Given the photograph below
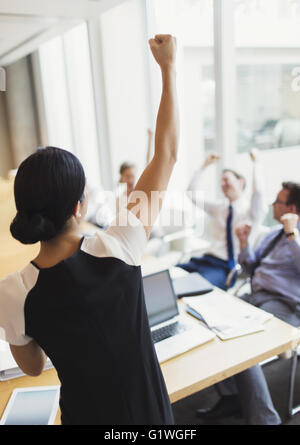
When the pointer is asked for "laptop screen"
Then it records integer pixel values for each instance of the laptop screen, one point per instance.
(160, 297)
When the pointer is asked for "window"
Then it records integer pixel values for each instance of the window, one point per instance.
(268, 112)
(192, 23)
(68, 97)
(268, 108)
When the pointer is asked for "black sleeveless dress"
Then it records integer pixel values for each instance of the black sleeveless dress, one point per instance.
(89, 316)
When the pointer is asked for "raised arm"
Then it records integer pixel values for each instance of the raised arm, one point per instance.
(146, 199)
(149, 145)
(290, 223)
(209, 206)
(258, 205)
(247, 258)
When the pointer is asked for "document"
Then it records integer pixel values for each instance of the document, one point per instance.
(227, 316)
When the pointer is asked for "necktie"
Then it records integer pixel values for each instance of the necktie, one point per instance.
(231, 261)
(268, 249)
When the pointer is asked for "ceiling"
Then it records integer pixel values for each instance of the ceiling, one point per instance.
(20, 31)
(25, 25)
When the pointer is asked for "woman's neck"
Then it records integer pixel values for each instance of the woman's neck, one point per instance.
(59, 248)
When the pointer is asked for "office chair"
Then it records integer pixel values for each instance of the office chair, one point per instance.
(292, 410)
(291, 355)
(233, 274)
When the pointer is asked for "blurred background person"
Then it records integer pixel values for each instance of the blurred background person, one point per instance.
(220, 259)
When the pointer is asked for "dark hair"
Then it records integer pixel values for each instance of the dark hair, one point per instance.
(125, 166)
(48, 185)
(294, 194)
(237, 175)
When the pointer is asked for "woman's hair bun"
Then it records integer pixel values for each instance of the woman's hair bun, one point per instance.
(29, 229)
(48, 185)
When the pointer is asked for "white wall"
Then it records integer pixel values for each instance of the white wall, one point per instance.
(124, 55)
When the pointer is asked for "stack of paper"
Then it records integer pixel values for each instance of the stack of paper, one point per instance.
(227, 316)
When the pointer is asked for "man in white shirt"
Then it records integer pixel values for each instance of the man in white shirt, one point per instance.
(226, 214)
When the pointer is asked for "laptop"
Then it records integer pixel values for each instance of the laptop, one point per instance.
(172, 333)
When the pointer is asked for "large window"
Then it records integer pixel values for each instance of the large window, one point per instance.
(69, 97)
(268, 111)
(238, 77)
(268, 107)
(133, 83)
(192, 24)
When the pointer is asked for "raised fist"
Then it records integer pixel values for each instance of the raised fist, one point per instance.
(150, 133)
(163, 48)
(211, 159)
(289, 221)
(254, 154)
(242, 232)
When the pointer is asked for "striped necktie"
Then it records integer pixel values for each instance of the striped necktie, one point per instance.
(231, 261)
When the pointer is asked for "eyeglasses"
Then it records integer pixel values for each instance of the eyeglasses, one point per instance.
(277, 201)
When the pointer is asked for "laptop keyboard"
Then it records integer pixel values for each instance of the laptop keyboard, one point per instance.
(169, 331)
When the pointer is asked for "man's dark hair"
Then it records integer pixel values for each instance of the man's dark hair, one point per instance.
(294, 194)
(236, 174)
(125, 166)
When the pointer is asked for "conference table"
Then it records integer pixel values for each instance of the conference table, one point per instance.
(187, 373)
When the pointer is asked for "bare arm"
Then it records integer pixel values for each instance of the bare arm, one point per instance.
(30, 358)
(146, 200)
(149, 146)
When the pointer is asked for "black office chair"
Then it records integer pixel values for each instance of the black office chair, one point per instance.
(292, 410)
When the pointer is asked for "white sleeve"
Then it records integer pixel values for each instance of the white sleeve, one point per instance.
(258, 208)
(12, 298)
(130, 233)
(195, 191)
(125, 239)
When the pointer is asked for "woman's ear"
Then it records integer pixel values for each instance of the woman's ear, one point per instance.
(77, 209)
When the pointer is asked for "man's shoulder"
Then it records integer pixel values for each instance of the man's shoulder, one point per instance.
(273, 231)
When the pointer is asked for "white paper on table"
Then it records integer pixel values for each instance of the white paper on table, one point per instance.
(228, 316)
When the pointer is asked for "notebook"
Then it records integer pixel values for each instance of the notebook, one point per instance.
(172, 333)
(227, 316)
(191, 284)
